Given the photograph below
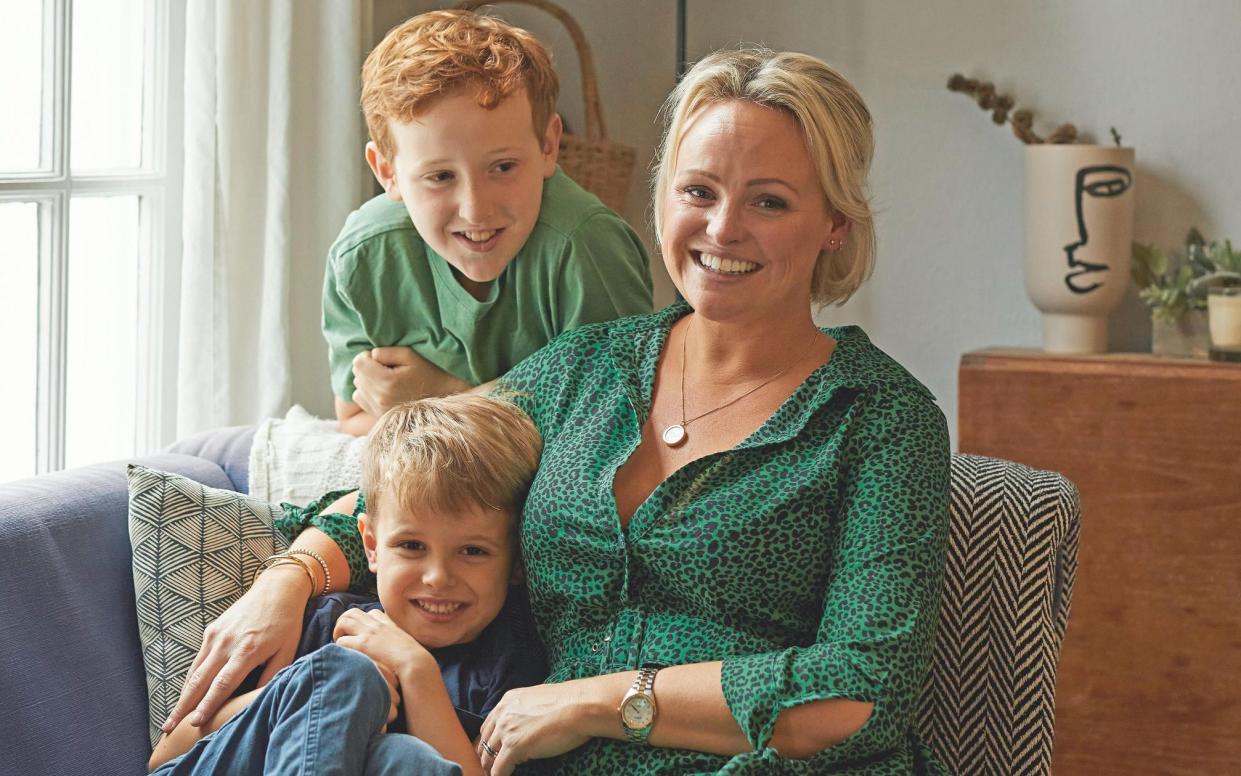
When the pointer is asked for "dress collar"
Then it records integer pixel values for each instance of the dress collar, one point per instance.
(635, 345)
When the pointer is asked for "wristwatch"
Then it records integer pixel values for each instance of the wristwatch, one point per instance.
(637, 708)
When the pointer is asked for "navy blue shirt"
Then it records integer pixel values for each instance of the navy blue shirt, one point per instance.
(506, 654)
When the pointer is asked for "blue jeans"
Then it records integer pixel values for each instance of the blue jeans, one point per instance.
(325, 714)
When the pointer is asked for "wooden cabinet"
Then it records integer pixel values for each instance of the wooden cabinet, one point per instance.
(1150, 675)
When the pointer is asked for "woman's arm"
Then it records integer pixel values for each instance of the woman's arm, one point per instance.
(692, 713)
(881, 602)
(185, 735)
(262, 628)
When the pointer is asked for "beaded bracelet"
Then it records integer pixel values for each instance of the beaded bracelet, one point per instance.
(327, 575)
(284, 558)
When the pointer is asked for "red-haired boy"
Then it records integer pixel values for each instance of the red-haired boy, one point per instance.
(480, 250)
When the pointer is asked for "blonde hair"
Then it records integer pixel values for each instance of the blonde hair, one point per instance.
(835, 124)
(437, 53)
(451, 454)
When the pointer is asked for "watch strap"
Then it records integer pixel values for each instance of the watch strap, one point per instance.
(643, 684)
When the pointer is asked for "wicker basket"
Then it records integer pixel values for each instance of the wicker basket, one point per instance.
(600, 166)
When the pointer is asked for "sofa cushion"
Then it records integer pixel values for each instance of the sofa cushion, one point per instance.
(195, 551)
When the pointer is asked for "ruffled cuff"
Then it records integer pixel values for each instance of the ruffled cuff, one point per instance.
(759, 687)
(340, 528)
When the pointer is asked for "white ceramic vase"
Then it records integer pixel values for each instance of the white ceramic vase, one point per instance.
(1079, 225)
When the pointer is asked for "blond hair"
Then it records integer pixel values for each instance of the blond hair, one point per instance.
(451, 454)
(835, 124)
(435, 54)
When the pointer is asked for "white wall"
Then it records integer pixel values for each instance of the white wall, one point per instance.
(947, 182)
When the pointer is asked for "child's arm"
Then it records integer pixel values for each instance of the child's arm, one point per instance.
(429, 713)
(353, 419)
(185, 735)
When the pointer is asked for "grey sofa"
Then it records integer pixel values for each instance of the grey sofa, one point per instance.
(72, 688)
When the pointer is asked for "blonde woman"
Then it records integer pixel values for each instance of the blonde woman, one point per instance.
(750, 509)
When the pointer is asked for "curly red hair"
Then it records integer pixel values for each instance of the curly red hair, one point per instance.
(435, 54)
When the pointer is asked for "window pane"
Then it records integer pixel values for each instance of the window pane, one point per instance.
(21, 84)
(19, 320)
(106, 115)
(101, 385)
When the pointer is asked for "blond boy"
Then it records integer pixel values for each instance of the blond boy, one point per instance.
(410, 678)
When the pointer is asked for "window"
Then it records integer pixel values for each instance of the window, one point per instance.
(89, 229)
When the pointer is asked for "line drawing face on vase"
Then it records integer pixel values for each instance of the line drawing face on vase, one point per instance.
(1102, 180)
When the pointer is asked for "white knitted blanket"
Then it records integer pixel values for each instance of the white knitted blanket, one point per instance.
(300, 457)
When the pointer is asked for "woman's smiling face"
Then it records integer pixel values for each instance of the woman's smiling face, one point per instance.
(744, 218)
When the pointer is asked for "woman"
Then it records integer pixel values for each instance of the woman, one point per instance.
(749, 509)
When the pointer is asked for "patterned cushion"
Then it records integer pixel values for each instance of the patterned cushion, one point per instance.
(988, 704)
(196, 550)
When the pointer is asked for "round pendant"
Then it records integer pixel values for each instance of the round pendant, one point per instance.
(674, 435)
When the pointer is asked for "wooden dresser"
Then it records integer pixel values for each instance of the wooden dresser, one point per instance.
(1150, 676)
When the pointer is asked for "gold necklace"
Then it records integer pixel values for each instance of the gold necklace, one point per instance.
(675, 435)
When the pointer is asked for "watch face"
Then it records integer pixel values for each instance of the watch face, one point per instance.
(638, 712)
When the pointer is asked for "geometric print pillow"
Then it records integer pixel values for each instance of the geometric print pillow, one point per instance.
(195, 552)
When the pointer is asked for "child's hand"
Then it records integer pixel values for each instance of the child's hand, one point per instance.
(375, 635)
(394, 690)
(385, 377)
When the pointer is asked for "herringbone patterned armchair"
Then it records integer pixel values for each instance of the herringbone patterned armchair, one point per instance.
(988, 704)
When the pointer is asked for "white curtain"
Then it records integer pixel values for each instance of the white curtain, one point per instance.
(273, 149)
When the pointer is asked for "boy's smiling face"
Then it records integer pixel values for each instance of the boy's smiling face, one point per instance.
(442, 578)
(471, 179)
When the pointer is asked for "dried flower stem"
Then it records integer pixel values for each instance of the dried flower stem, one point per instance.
(1000, 106)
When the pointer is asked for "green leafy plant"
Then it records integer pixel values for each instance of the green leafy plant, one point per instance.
(1172, 284)
(1225, 264)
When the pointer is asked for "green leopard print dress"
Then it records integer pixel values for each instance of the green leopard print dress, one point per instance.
(809, 558)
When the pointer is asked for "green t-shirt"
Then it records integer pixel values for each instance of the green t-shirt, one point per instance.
(384, 286)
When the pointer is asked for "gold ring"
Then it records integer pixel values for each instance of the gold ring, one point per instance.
(487, 748)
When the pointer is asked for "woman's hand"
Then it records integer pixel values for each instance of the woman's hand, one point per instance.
(262, 628)
(531, 723)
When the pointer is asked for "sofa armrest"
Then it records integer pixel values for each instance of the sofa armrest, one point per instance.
(71, 670)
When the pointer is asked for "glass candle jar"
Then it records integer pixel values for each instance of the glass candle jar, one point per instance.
(1224, 320)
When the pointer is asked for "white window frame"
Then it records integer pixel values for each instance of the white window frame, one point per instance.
(158, 185)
